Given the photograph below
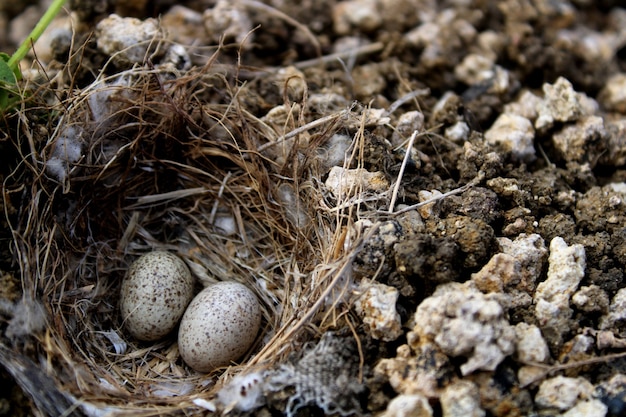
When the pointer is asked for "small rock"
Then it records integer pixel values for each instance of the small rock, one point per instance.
(562, 392)
(513, 134)
(462, 321)
(565, 271)
(591, 299)
(500, 269)
(291, 83)
(560, 104)
(525, 106)
(461, 399)
(126, 39)
(342, 182)
(530, 251)
(582, 142)
(617, 311)
(362, 15)
(230, 21)
(530, 346)
(417, 369)
(613, 95)
(408, 123)
(589, 408)
(458, 132)
(474, 69)
(184, 25)
(408, 405)
(376, 305)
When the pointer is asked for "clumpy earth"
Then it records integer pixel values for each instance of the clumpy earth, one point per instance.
(477, 147)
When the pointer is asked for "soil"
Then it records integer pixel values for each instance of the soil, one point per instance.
(520, 119)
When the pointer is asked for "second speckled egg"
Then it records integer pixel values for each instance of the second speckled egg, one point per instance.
(219, 326)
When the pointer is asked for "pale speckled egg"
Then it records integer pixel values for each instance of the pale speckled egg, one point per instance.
(154, 295)
(219, 326)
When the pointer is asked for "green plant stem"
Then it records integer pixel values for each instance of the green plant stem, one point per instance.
(43, 23)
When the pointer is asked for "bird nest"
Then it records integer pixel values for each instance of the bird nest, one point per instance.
(146, 160)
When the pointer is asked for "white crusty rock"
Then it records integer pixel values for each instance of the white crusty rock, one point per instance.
(530, 345)
(408, 405)
(589, 408)
(342, 182)
(376, 305)
(526, 105)
(461, 399)
(576, 142)
(513, 134)
(563, 392)
(362, 15)
(408, 123)
(126, 39)
(229, 20)
(552, 298)
(462, 321)
(617, 311)
(531, 252)
(560, 104)
(613, 95)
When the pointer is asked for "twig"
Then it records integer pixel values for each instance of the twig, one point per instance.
(459, 190)
(396, 187)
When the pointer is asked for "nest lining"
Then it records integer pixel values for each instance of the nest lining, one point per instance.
(173, 163)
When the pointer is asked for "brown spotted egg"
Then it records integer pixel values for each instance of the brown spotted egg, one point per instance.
(154, 295)
(219, 326)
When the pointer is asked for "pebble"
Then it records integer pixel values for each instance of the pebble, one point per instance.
(613, 95)
(552, 298)
(461, 399)
(526, 105)
(513, 134)
(530, 346)
(362, 15)
(342, 182)
(589, 408)
(184, 25)
(582, 142)
(501, 270)
(530, 251)
(617, 311)
(408, 123)
(474, 69)
(377, 307)
(591, 299)
(562, 392)
(126, 39)
(230, 21)
(560, 104)
(462, 321)
(408, 405)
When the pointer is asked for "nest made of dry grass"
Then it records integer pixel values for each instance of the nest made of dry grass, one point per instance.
(173, 162)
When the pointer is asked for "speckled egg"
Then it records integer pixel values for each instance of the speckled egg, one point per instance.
(155, 294)
(219, 326)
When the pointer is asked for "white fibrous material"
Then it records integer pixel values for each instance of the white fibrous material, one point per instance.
(106, 98)
(67, 150)
(377, 307)
(552, 298)
(462, 321)
(243, 392)
(325, 377)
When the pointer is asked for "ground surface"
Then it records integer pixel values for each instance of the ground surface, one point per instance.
(509, 289)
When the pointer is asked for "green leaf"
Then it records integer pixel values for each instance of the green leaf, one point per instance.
(7, 75)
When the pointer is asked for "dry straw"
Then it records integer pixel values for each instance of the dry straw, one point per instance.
(171, 162)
